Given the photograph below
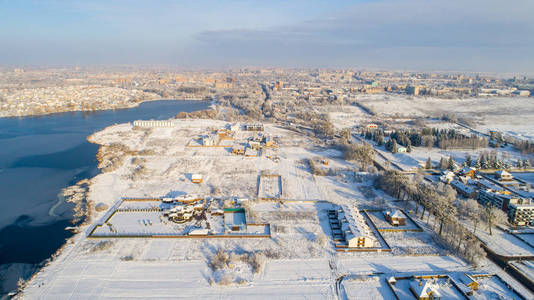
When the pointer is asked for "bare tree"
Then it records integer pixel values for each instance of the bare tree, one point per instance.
(494, 216)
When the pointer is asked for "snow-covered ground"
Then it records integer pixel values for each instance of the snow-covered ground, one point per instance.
(512, 115)
(299, 260)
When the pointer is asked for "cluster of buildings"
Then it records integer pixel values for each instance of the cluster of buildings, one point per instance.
(501, 190)
(184, 207)
(36, 101)
(44, 91)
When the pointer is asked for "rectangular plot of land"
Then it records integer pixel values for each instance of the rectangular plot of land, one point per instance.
(371, 287)
(406, 287)
(270, 187)
(382, 224)
(127, 223)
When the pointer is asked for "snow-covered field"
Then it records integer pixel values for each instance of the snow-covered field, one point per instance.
(368, 287)
(512, 115)
(298, 261)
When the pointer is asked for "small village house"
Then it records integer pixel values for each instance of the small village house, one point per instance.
(424, 289)
(254, 127)
(209, 140)
(467, 171)
(395, 217)
(471, 284)
(402, 149)
(502, 175)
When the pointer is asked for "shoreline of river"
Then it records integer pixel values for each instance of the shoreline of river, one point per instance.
(131, 105)
(84, 213)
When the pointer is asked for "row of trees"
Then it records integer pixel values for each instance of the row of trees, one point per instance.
(428, 137)
(486, 160)
(524, 146)
(490, 160)
(438, 204)
(444, 164)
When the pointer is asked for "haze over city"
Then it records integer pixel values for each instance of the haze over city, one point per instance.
(483, 36)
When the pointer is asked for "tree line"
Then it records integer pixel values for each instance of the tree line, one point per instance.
(439, 201)
(426, 137)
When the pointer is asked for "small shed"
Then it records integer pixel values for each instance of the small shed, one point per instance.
(238, 150)
(167, 200)
(470, 283)
(196, 178)
(268, 140)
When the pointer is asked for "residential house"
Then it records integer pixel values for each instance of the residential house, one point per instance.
(395, 217)
(254, 127)
(502, 175)
(424, 289)
(467, 171)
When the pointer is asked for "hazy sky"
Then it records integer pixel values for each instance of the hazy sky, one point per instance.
(471, 35)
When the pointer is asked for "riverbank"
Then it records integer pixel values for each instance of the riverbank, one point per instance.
(52, 155)
(84, 109)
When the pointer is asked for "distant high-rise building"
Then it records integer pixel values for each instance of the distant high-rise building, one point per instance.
(412, 90)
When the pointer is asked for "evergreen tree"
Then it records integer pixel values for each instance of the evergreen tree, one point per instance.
(484, 163)
(468, 160)
(478, 164)
(451, 164)
(388, 144)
